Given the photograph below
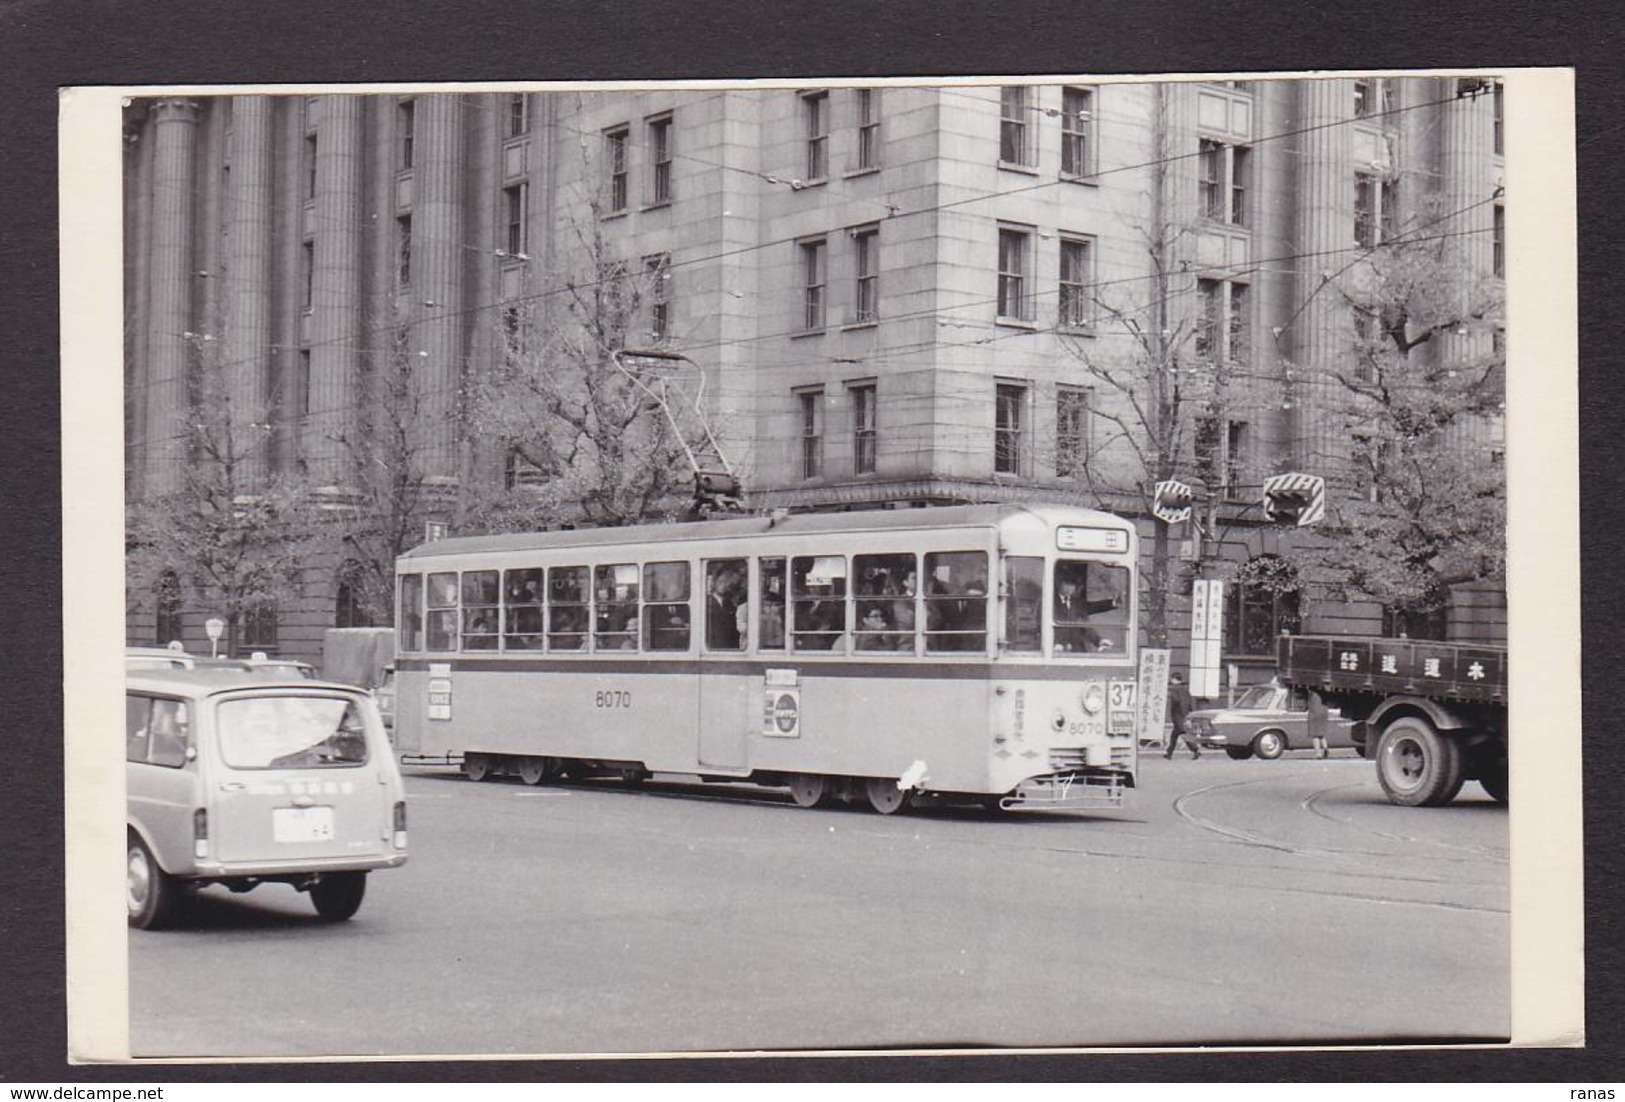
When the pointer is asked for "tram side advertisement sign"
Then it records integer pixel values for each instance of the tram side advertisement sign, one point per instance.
(781, 697)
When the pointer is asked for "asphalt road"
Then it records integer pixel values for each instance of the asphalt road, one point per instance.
(1228, 902)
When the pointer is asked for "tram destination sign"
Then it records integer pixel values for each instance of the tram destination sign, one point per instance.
(1071, 537)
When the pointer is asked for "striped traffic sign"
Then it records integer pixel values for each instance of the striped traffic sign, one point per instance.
(1171, 501)
(1295, 497)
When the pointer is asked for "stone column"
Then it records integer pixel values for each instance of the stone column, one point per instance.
(336, 296)
(1467, 183)
(1324, 232)
(247, 280)
(437, 276)
(169, 275)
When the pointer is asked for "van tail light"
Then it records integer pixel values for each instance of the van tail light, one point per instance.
(200, 832)
(400, 824)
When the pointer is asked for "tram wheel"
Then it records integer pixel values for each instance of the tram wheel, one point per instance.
(884, 795)
(810, 789)
(534, 771)
(477, 767)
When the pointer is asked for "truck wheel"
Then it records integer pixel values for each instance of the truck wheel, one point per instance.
(1238, 753)
(1269, 745)
(151, 893)
(1417, 766)
(1494, 782)
(337, 895)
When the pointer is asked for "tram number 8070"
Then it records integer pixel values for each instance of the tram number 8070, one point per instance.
(613, 698)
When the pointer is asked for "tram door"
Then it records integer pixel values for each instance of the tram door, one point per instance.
(724, 698)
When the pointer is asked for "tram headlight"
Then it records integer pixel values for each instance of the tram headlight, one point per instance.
(1094, 699)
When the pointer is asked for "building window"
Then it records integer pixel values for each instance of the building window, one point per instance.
(1015, 128)
(310, 167)
(868, 104)
(405, 122)
(518, 115)
(615, 150)
(1264, 604)
(1015, 256)
(1077, 119)
(301, 385)
(866, 247)
(1499, 99)
(1076, 263)
(815, 116)
(812, 433)
(403, 250)
(863, 427)
(515, 201)
(812, 284)
(1416, 623)
(1498, 242)
(167, 602)
(260, 626)
(658, 271)
(307, 276)
(1071, 430)
(1373, 97)
(1221, 455)
(1367, 345)
(1376, 210)
(350, 606)
(660, 160)
(1222, 330)
(1009, 427)
(1223, 179)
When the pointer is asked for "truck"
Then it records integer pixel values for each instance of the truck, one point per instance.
(1432, 715)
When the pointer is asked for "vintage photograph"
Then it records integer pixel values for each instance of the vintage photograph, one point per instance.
(799, 567)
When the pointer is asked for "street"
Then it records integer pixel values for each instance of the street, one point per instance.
(1276, 902)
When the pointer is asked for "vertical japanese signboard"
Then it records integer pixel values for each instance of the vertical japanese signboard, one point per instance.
(1153, 717)
(1207, 635)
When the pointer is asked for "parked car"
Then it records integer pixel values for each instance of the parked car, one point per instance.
(157, 658)
(238, 779)
(1266, 720)
(264, 664)
(385, 695)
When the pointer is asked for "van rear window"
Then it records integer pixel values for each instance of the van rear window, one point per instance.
(291, 732)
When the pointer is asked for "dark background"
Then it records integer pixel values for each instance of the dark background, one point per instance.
(46, 44)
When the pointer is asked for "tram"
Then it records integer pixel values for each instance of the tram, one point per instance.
(984, 652)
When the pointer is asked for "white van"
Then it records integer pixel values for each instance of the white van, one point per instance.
(240, 780)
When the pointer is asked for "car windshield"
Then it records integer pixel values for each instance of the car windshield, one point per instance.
(298, 732)
(1259, 696)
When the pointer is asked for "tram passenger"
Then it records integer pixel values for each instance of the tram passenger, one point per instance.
(725, 596)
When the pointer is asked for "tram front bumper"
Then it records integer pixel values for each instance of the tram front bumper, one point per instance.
(1067, 790)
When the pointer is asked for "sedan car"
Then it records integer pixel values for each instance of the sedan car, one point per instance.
(1266, 720)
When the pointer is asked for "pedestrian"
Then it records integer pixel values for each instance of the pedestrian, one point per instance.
(1318, 721)
(1179, 706)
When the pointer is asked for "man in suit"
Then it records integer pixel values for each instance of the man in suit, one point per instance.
(1179, 706)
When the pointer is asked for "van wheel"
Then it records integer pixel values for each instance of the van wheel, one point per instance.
(1238, 753)
(152, 894)
(1269, 745)
(337, 895)
(1417, 766)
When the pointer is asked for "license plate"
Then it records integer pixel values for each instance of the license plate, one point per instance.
(302, 824)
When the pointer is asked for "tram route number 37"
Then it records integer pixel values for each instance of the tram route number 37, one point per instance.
(1120, 706)
(613, 698)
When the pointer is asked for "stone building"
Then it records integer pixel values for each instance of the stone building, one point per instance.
(900, 295)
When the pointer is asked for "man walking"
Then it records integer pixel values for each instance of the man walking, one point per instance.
(1179, 706)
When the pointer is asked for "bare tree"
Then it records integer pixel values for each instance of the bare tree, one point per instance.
(581, 441)
(237, 536)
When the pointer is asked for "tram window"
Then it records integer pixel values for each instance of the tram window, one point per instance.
(567, 592)
(1091, 607)
(886, 587)
(956, 601)
(727, 592)
(480, 612)
(411, 631)
(770, 619)
(1023, 603)
(665, 606)
(442, 615)
(818, 596)
(615, 603)
(522, 612)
